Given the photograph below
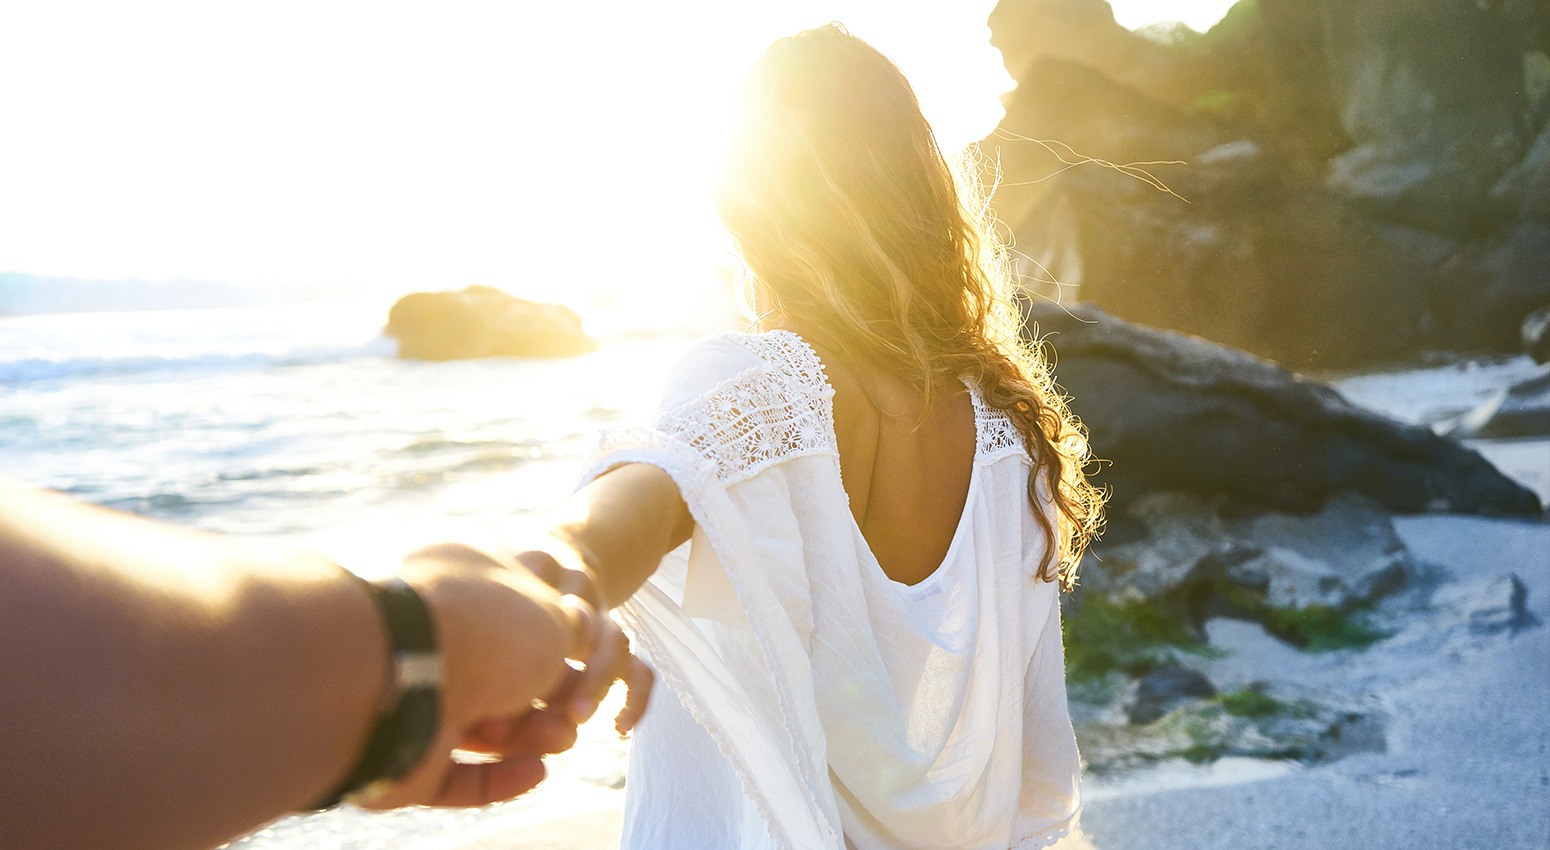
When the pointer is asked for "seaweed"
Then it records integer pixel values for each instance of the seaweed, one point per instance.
(1320, 628)
(1134, 637)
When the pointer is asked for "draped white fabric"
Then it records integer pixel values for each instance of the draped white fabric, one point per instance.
(808, 700)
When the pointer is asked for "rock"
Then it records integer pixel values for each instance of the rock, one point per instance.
(1486, 290)
(1527, 185)
(1292, 580)
(1309, 729)
(1536, 335)
(1188, 564)
(1341, 173)
(1487, 606)
(1081, 31)
(1178, 414)
(1346, 555)
(1240, 223)
(1164, 688)
(1521, 410)
(483, 322)
(1434, 130)
(1180, 532)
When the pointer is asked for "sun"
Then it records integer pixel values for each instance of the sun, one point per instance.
(558, 152)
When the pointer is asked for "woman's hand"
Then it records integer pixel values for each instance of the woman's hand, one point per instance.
(584, 689)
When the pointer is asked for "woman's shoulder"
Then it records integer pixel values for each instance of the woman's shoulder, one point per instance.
(710, 362)
(748, 401)
(781, 359)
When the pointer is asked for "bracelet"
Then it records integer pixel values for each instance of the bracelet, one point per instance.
(407, 722)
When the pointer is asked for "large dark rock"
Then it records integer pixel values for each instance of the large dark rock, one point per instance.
(1176, 413)
(1354, 194)
(1434, 129)
(483, 322)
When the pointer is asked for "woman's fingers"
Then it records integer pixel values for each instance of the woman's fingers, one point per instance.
(585, 623)
(638, 681)
(609, 661)
(572, 578)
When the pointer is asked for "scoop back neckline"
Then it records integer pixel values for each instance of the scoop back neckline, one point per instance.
(960, 529)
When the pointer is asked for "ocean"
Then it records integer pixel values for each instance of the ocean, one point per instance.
(296, 423)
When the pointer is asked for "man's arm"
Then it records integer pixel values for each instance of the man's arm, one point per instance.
(167, 689)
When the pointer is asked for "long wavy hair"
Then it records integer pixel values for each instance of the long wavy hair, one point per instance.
(850, 220)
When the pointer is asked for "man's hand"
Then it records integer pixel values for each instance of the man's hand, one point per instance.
(504, 636)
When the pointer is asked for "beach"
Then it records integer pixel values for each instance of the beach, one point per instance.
(1467, 756)
(296, 424)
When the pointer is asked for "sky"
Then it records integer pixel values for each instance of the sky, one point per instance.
(552, 149)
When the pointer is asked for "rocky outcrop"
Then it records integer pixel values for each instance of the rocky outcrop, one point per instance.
(1174, 413)
(483, 322)
(1187, 562)
(1245, 724)
(1349, 193)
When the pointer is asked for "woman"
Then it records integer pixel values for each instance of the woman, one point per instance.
(884, 494)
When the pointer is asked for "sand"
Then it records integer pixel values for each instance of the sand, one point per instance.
(1467, 760)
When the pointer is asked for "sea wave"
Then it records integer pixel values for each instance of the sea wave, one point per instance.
(34, 370)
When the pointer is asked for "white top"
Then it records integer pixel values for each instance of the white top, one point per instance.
(805, 699)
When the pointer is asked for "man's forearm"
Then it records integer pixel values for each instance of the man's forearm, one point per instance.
(139, 662)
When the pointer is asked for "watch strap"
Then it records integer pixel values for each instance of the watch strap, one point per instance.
(410, 713)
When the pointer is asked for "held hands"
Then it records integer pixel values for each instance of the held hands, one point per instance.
(507, 692)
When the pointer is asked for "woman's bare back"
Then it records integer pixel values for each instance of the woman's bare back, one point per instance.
(905, 465)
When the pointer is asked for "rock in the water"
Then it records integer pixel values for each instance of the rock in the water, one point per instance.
(1176, 413)
(1488, 606)
(1521, 410)
(1536, 335)
(1162, 689)
(483, 322)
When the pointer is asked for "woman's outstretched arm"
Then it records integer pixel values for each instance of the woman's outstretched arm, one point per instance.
(161, 688)
(620, 525)
(608, 539)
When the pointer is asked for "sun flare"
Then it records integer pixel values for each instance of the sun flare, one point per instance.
(384, 149)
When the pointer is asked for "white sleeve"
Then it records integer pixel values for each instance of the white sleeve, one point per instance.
(711, 362)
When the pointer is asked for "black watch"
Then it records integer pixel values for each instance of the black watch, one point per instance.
(411, 711)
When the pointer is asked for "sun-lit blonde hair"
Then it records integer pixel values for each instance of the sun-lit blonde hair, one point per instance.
(851, 221)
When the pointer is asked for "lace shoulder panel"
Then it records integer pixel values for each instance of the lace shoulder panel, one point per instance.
(995, 432)
(782, 407)
(776, 410)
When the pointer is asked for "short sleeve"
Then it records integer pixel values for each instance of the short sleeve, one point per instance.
(711, 362)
